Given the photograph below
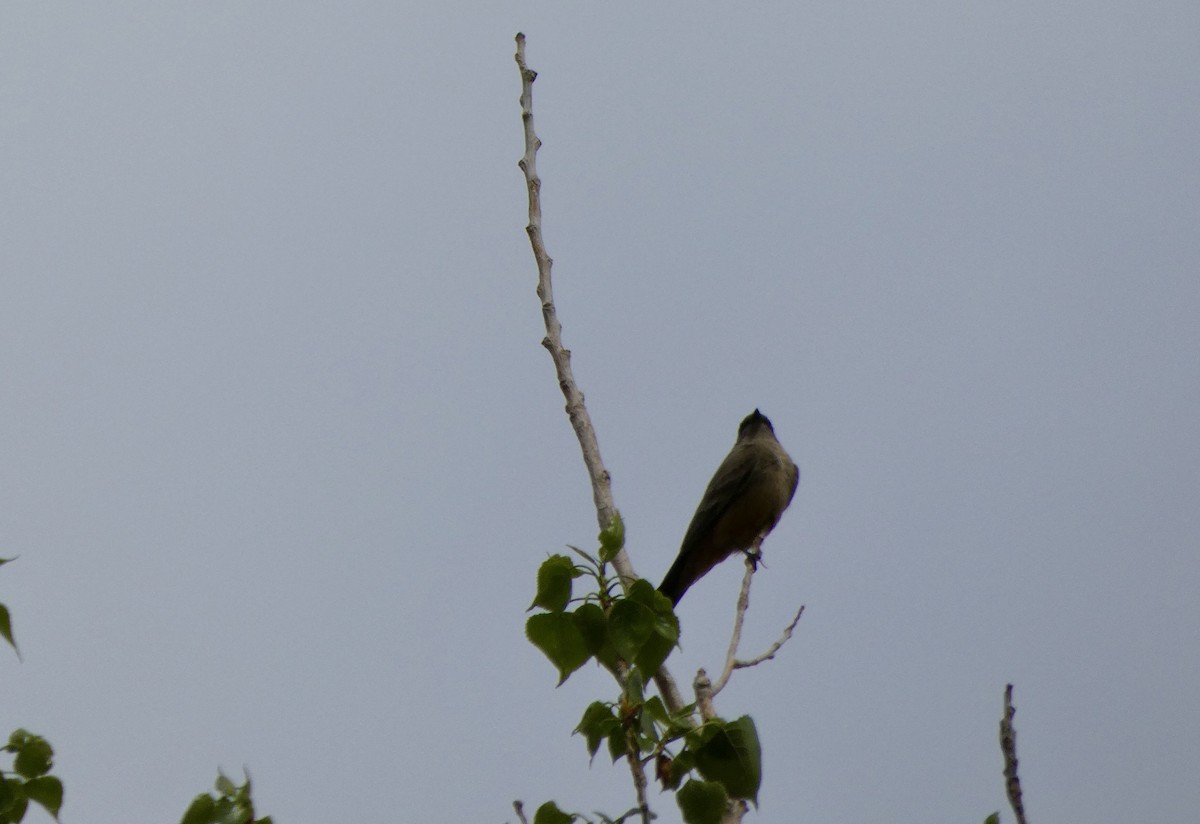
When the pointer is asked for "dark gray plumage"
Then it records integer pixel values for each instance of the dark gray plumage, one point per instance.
(745, 498)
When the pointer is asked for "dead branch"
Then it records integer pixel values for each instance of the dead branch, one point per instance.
(1008, 746)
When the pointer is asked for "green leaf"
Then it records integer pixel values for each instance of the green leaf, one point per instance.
(642, 627)
(647, 731)
(683, 721)
(702, 802)
(200, 811)
(554, 583)
(657, 710)
(729, 752)
(557, 636)
(549, 813)
(6, 628)
(17, 811)
(593, 625)
(235, 813)
(598, 722)
(47, 791)
(635, 688)
(612, 538)
(994, 818)
(616, 744)
(592, 562)
(224, 786)
(11, 794)
(683, 764)
(242, 796)
(35, 756)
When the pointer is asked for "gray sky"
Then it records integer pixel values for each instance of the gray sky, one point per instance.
(281, 451)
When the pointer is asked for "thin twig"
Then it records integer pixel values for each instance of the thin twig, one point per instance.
(732, 662)
(739, 615)
(520, 808)
(1008, 746)
(766, 656)
(638, 771)
(577, 412)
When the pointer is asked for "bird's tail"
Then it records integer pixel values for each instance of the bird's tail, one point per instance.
(677, 580)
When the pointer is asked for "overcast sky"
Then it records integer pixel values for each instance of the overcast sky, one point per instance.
(280, 451)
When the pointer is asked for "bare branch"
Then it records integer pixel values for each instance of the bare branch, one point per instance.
(775, 647)
(739, 615)
(520, 808)
(753, 556)
(1008, 746)
(581, 421)
(577, 412)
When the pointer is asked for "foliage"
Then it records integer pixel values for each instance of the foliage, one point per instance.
(230, 805)
(6, 621)
(549, 813)
(630, 633)
(29, 779)
(33, 757)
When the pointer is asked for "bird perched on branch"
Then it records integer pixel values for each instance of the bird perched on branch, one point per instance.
(750, 490)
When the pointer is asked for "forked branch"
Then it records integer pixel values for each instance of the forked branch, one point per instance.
(732, 662)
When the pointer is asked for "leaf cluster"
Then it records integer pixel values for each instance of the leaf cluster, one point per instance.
(630, 633)
(637, 628)
(715, 761)
(33, 757)
(549, 813)
(29, 779)
(230, 804)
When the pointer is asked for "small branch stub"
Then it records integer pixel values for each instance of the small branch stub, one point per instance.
(702, 686)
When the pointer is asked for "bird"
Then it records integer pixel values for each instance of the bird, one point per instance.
(745, 498)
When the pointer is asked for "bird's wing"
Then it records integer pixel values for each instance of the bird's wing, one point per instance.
(726, 488)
